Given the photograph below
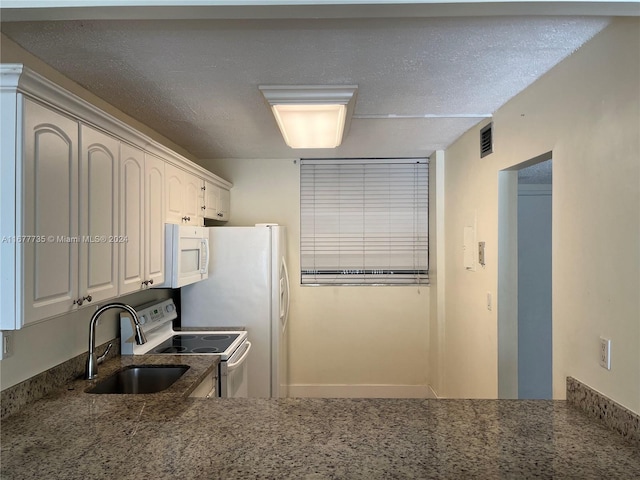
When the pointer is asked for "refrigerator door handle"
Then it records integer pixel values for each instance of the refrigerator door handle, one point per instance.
(284, 311)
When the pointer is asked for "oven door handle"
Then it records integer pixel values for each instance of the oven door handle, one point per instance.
(237, 363)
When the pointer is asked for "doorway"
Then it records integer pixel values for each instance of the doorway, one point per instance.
(524, 280)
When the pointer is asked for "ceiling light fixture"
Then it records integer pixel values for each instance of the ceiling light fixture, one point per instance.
(311, 116)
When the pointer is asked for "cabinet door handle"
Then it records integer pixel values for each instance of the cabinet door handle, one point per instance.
(151, 282)
(145, 282)
(220, 214)
(186, 219)
(88, 298)
(203, 188)
(79, 301)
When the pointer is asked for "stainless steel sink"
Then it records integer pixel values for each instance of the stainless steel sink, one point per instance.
(141, 379)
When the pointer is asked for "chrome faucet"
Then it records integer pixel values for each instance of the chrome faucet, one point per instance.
(92, 361)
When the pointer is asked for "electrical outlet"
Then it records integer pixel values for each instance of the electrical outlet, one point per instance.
(489, 301)
(605, 353)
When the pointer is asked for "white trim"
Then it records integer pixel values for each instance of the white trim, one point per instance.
(433, 393)
(41, 89)
(50, 10)
(10, 190)
(360, 391)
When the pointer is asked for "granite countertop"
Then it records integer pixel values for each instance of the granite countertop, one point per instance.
(199, 367)
(74, 435)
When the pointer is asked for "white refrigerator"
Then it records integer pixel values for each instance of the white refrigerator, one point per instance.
(248, 286)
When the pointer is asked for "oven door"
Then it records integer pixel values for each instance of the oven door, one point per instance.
(233, 373)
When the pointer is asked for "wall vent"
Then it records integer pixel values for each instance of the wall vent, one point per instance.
(486, 140)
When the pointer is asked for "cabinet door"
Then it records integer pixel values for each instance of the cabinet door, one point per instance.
(211, 200)
(98, 203)
(224, 205)
(132, 218)
(154, 219)
(193, 200)
(50, 199)
(174, 193)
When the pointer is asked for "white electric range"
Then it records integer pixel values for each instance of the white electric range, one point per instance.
(156, 320)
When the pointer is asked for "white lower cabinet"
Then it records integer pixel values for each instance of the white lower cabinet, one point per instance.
(208, 387)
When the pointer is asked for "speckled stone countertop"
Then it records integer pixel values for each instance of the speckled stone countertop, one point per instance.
(75, 435)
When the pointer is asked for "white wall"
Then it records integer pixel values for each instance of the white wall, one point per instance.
(586, 111)
(339, 336)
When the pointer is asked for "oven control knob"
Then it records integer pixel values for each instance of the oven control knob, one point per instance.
(143, 319)
(170, 308)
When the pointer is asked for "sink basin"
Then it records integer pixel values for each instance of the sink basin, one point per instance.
(141, 379)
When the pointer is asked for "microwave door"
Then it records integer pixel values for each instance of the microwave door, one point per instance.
(191, 261)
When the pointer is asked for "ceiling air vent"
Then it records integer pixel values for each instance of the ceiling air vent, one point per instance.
(486, 140)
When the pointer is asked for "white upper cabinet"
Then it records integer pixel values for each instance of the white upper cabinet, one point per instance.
(49, 204)
(193, 199)
(216, 202)
(224, 204)
(211, 195)
(141, 220)
(132, 217)
(184, 197)
(174, 195)
(98, 204)
(83, 201)
(154, 211)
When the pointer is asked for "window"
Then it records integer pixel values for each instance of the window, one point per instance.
(364, 221)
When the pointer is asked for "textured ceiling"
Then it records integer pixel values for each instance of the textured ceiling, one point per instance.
(539, 173)
(196, 81)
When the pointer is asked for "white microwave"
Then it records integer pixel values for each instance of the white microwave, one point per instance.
(186, 255)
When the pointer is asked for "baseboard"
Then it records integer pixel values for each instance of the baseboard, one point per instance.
(360, 391)
(432, 393)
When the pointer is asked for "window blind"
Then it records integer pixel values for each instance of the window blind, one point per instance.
(364, 221)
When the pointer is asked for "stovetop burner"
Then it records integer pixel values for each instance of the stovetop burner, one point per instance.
(205, 350)
(187, 343)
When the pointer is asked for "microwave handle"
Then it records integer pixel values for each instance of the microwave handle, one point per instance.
(204, 260)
